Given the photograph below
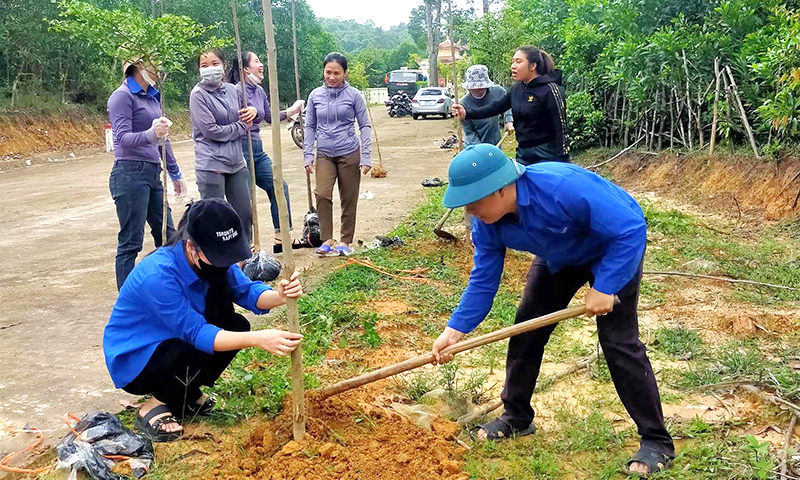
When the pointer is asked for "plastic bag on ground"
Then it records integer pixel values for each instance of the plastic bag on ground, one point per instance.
(102, 433)
(433, 182)
(311, 232)
(262, 267)
(422, 415)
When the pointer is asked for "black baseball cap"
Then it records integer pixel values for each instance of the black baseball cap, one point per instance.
(217, 229)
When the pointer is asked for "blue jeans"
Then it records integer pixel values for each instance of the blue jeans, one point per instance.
(264, 180)
(137, 192)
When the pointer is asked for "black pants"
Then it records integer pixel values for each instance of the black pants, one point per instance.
(176, 370)
(618, 333)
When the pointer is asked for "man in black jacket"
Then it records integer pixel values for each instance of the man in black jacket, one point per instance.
(538, 106)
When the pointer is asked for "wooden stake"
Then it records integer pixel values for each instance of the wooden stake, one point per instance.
(163, 144)
(459, 347)
(455, 93)
(716, 108)
(375, 132)
(742, 112)
(298, 403)
(254, 217)
(297, 93)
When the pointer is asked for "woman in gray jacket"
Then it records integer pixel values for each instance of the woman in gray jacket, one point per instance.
(218, 126)
(330, 121)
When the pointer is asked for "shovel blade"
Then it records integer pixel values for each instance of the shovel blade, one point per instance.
(444, 235)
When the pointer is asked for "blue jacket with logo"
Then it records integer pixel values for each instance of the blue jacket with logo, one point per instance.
(568, 216)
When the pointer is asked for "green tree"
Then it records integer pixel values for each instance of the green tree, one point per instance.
(168, 42)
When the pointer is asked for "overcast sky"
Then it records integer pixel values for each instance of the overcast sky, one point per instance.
(383, 13)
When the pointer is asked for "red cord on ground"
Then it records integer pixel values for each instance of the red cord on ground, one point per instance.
(4, 462)
(383, 270)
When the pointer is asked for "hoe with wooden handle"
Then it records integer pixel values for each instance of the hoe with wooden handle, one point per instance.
(469, 344)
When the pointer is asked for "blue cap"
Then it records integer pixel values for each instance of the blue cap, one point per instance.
(477, 172)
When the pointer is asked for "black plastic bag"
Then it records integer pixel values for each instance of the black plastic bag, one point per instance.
(433, 182)
(262, 267)
(311, 232)
(386, 242)
(102, 433)
(449, 142)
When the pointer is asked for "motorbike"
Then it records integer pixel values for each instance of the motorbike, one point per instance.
(296, 130)
(399, 105)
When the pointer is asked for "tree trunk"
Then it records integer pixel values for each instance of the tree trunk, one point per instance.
(672, 123)
(627, 120)
(728, 109)
(653, 125)
(455, 78)
(698, 117)
(715, 118)
(742, 112)
(433, 44)
(688, 98)
(486, 4)
(614, 117)
(663, 118)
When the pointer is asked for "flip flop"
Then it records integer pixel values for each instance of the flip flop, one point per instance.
(343, 251)
(324, 250)
(154, 432)
(500, 429)
(296, 244)
(656, 461)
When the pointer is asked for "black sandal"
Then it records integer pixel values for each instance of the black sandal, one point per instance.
(656, 461)
(154, 432)
(296, 244)
(499, 429)
(194, 410)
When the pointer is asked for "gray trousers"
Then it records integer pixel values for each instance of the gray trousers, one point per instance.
(233, 187)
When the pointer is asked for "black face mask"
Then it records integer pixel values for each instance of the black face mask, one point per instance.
(209, 272)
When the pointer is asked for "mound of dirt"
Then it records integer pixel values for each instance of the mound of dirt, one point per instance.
(346, 439)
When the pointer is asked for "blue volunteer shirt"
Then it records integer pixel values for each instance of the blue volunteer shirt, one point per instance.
(566, 215)
(164, 299)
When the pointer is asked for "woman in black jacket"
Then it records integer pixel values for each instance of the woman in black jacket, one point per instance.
(537, 103)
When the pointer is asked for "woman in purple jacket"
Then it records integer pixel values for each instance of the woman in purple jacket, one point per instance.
(257, 97)
(218, 126)
(332, 112)
(134, 111)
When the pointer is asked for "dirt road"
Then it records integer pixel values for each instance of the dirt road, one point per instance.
(57, 258)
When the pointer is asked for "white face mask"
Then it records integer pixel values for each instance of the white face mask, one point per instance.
(252, 78)
(212, 76)
(482, 95)
(148, 78)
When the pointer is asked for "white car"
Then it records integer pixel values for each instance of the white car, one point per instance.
(431, 101)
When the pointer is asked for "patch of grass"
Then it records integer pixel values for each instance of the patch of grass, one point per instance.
(671, 398)
(591, 433)
(652, 294)
(564, 347)
(521, 459)
(738, 360)
(678, 238)
(678, 342)
(418, 384)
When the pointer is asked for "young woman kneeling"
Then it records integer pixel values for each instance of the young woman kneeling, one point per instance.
(173, 327)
